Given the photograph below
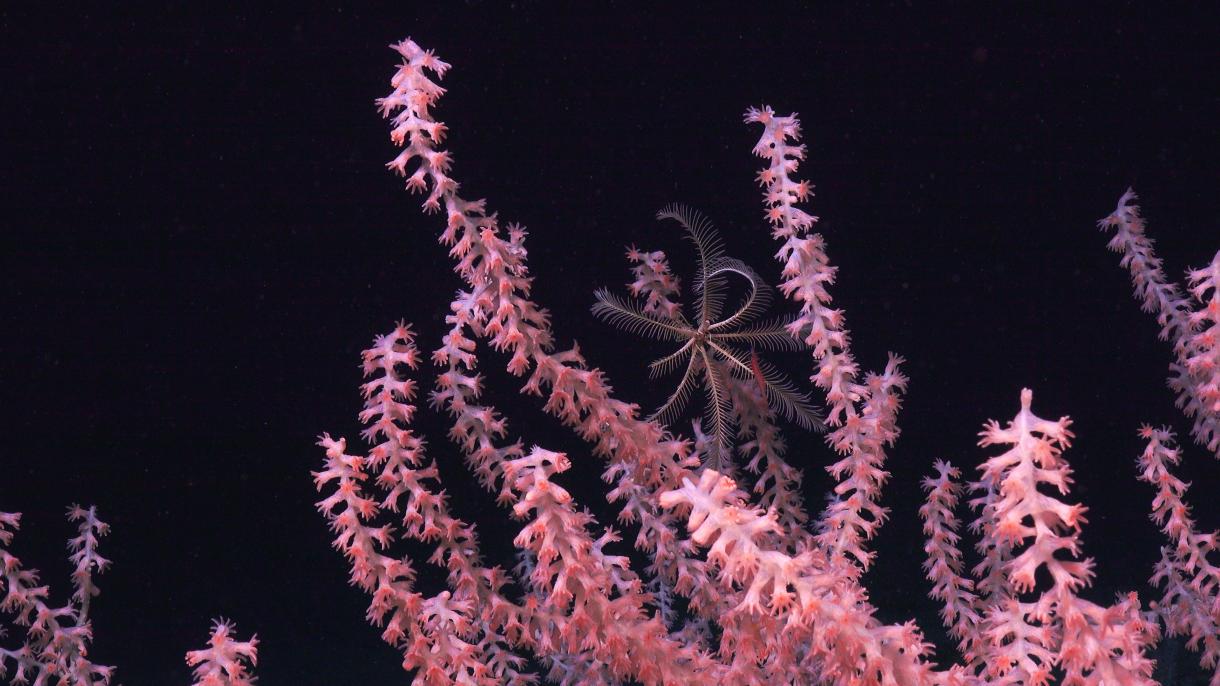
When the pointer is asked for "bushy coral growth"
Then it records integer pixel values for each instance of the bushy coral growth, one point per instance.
(765, 596)
(1011, 629)
(56, 647)
(739, 583)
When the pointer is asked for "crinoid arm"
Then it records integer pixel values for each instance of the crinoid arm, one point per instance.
(627, 315)
(757, 298)
(664, 365)
(718, 417)
(710, 247)
(772, 334)
(672, 409)
(783, 395)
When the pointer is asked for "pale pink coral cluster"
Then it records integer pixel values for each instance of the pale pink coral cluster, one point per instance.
(655, 282)
(226, 661)
(766, 597)
(55, 651)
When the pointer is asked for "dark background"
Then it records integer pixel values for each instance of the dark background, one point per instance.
(198, 238)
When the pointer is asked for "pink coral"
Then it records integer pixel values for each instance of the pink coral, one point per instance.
(767, 602)
(224, 662)
(56, 648)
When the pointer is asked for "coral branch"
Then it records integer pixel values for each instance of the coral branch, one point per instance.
(1194, 333)
(226, 661)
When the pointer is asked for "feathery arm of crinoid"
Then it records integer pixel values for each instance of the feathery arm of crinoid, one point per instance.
(863, 414)
(56, 647)
(1189, 569)
(1193, 332)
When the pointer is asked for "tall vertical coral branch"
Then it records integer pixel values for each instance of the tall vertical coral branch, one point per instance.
(943, 565)
(863, 414)
(1189, 569)
(1193, 332)
(1190, 320)
(497, 307)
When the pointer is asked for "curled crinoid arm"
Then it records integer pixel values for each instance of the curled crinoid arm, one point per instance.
(627, 315)
(757, 298)
(709, 248)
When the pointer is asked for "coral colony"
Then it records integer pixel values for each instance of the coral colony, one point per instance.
(741, 584)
